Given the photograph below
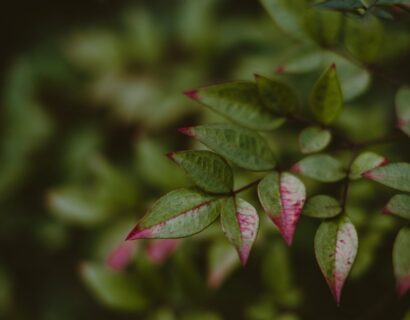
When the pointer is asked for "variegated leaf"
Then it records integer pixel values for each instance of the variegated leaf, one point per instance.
(399, 205)
(365, 162)
(393, 175)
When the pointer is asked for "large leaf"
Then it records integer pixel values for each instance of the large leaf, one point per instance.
(403, 110)
(336, 246)
(240, 102)
(399, 205)
(401, 260)
(314, 139)
(114, 289)
(365, 162)
(208, 170)
(322, 206)
(240, 223)
(321, 167)
(282, 196)
(394, 175)
(242, 146)
(180, 213)
(276, 95)
(326, 100)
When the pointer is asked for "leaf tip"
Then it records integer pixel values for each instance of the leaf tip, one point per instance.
(403, 286)
(186, 131)
(280, 69)
(295, 168)
(137, 233)
(193, 94)
(243, 253)
(171, 155)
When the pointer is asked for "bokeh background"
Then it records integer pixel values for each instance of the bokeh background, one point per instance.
(91, 97)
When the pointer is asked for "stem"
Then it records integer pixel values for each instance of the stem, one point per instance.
(246, 187)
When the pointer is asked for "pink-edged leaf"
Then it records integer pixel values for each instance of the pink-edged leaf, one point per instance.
(159, 250)
(364, 162)
(401, 260)
(179, 213)
(121, 256)
(393, 175)
(336, 246)
(240, 223)
(282, 196)
(222, 261)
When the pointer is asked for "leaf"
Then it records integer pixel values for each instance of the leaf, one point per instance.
(114, 289)
(238, 101)
(322, 206)
(403, 109)
(321, 167)
(120, 258)
(394, 175)
(242, 146)
(401, 260)
(240, 223)
(180, 213)
(326, 100)
(336, 246)
(303, 63)
(282, 196)
(276, 95)
(323, 27)
(342, 5)
(158, 250)
(365, 162)
(207, 170)
(399, 205)
(222, 261)
(314, 139)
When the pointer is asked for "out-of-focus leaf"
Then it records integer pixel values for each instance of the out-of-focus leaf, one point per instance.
(322, 206)
(276, 95)
(336, 246)
(403, 110)
(303, 63)
(180, 213)
(240, 102)
(242, 146)
(321, 167)
(201, 315)
(240, 223)
(113, 289)
(282, 196)
(401, 260)
(323, 27)
(394, 175)
(121, 257)
(222, 261)
(326, 100)
(207, 170)
(159, 250)
(6, 289)
(399, 205)
(364, 162)
(343, 5)
(314, 139)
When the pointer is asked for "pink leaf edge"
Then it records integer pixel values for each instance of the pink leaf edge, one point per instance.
(193, 94)
(403, 285)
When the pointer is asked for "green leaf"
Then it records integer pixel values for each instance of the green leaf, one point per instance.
(322, 206)
(240, 223)
(365, 162)
(343, 5)
(114, 289)
(276, 95)
(240, 102)
(403, 109)
(336, 246)
(207, 170)
(302, 63)
(323, 27)
(222, 261)
(314, 139)
(321, 167)
(282, 196)
(401, 260)
(180, 213)
(242, 146)
(394, 175)
(399, 205)
(326, 100)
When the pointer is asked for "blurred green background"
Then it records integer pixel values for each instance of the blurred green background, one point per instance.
(91, 97)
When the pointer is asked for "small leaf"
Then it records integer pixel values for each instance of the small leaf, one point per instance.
(399, 205)
(240, 223)
(208, 170)
(222, 261)
(401, 260)
(321, 167)
(179, 213)
(336, 246)
(119, 258)
(282, 196)
(242, 146)
(114, 289)
(322, 206)
(365, 162)
(240, 102)
(158, 250)
(326, 100)
(276, 95)
(314, 139)
(394, 175)
(403, 110)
